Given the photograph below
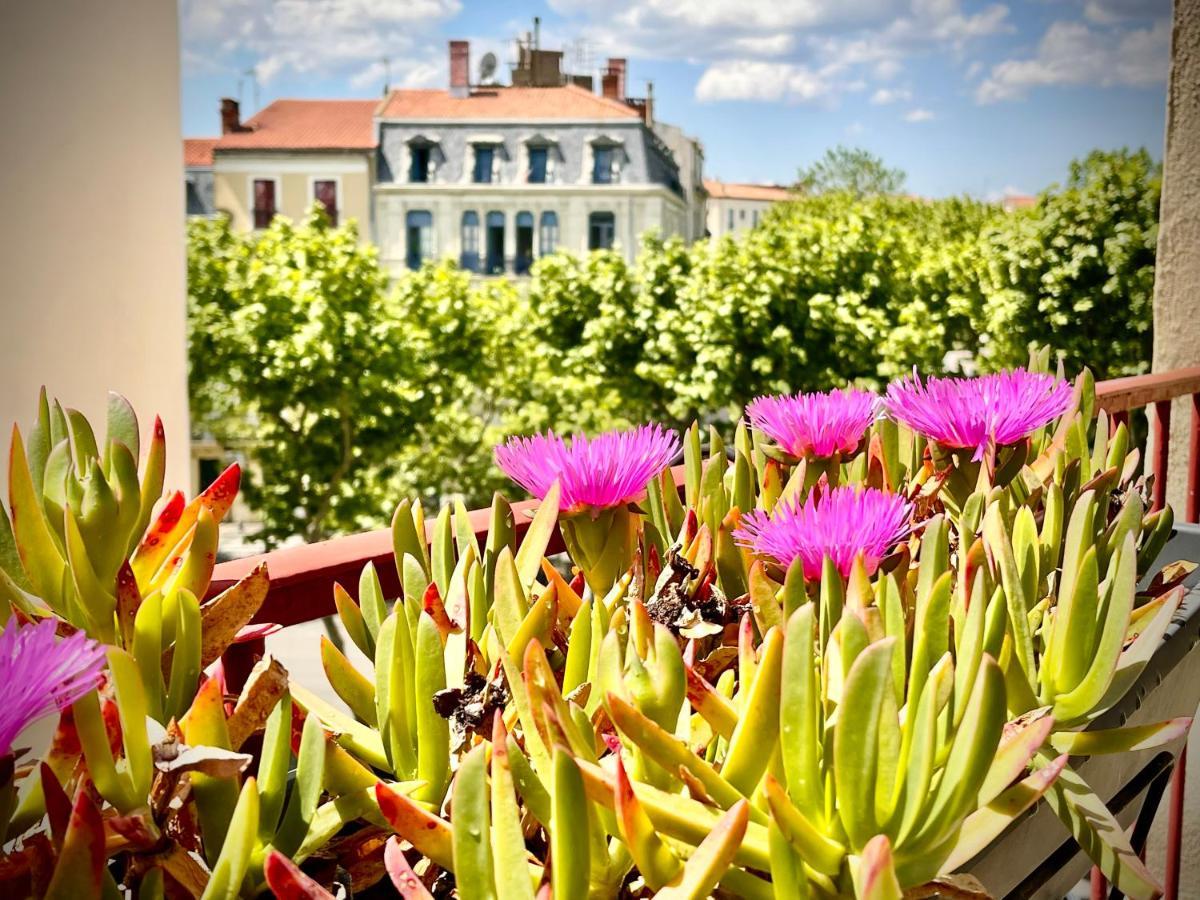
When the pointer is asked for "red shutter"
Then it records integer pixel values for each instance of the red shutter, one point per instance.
(264, 202)
(325, 193)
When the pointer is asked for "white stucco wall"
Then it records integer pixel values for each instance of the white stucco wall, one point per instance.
(744, 211)
(92, 249)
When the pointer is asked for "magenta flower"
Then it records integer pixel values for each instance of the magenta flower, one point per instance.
(42, 674)
(839, 523)
(972, 413)
(820, 424)
(608, 470)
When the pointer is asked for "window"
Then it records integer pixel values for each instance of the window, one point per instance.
(265, 190)
(495, 243)
(602, 164)
(524, 257)
(485, 157)
(325, 192)
(742, 214)
(548, 239)
(538, 157)
(418, 171)
(470, 241)
(756, 218)
(602, 230)
(731, 220)
(420, 237)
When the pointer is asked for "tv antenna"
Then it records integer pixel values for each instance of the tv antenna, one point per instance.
(387, 74)
(487, 68)
(252, 74)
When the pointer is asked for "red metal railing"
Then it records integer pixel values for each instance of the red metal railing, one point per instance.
(302, 577)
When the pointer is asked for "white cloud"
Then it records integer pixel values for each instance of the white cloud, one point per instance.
(763, 81)
(884, 96)
(348, 37)
(1072, 53)
(1107, 12)
(920, 114)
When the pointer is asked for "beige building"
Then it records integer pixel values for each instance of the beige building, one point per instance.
(93, 266)
(291, 154)
(733, 208)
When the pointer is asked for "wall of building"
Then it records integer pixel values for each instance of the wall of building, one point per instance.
(635, 208)
(294, 172)
(746, 214)
(689, 156)
(1177, 338)
(93, 264)
(641, 159)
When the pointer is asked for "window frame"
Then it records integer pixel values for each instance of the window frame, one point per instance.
(610, 150)
(544, 151)
(491, 168)
(425, 147)
(547, 222)
(595, 218)
(337, 194)
(420, 258)
(470, 265)
(252, 209)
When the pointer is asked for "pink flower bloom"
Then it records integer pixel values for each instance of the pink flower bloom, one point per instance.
(972, 413)
(839, 523)
(608, 470)
(814, 424)
(41, 674)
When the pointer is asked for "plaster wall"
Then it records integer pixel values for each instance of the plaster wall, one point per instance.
(93, 256)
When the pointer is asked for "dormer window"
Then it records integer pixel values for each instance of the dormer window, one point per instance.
(418, 172)
(539, 157)
(423, 159)
(485, 163)
(604, 160)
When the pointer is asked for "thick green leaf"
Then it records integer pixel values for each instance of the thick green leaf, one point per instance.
(569, 842)
(230, 868)
(856, 741)
(470, 828)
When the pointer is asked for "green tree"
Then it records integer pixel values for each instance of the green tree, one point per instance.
(1076, 271)
(296, 357)
(853, 170)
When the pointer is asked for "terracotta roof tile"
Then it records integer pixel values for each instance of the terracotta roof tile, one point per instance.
(198, 151)
(307, 125)
(726, 190)
(530, 103)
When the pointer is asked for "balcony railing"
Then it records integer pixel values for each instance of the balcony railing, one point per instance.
(302, 577)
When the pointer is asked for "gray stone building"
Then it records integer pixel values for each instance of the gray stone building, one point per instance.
(198, 176)
(496, 176)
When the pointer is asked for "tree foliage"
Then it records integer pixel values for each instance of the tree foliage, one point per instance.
(852, 170)
(301, 349)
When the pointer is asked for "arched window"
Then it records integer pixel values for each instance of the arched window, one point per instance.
(548, 239)
(602, 230)
(495, 243)
(469, 259)
(524, 257)
(419, 228)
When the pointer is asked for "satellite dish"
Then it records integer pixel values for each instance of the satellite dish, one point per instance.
(487, 67)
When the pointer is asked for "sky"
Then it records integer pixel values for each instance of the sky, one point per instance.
(966, 96)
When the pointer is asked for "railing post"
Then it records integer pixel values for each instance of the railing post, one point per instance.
(1162, 444)
(1175, 827)
(1193, 494)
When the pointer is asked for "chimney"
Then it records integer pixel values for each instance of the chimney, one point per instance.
(612, 83)
(231, 116)
(460, 68)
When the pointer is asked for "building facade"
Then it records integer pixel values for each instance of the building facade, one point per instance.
(292, 154)
(496, 176)
(735, 208)
(492, 176)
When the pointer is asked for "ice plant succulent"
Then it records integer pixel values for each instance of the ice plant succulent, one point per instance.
(597, 479)
(978, 413)
(42, 674)
(814, 425)
(840, 523)
(607, 470)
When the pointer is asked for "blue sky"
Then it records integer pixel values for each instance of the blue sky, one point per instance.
(967, 96)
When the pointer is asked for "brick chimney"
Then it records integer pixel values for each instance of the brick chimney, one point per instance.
(612, 82)
(231, 116)
(460, 68)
